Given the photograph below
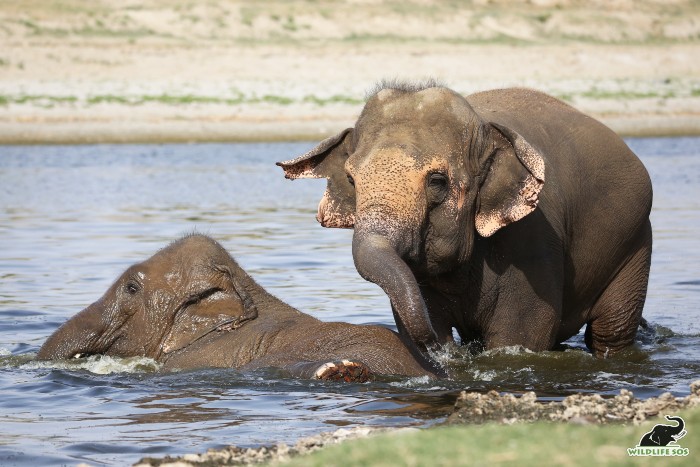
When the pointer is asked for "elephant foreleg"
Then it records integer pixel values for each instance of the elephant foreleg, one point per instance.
(342, 370)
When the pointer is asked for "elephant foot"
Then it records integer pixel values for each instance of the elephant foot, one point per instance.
(350, 372)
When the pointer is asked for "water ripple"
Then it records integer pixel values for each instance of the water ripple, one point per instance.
(72, 218)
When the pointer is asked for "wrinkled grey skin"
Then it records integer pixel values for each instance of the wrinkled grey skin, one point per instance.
(507, 215)
(191, 306)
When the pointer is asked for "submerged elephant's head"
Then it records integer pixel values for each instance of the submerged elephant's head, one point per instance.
(181, 294)
(418, 177)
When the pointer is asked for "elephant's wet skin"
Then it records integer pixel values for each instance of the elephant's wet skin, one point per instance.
(507, 216)
(191, 305)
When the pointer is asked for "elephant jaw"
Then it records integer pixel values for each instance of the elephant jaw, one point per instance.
(93, 331)
(377, 261)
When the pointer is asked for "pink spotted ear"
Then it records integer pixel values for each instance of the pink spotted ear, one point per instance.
(317, 163)
(512, 185)
(327, 160)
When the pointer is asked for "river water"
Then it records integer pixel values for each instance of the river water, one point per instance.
(72, 218)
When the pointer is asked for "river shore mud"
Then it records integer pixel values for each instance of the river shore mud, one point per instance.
(470, 408)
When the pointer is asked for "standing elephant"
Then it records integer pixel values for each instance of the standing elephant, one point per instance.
(507, 216)
(663, 435)
(191, 305)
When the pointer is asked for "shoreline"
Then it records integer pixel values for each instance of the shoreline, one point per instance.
(472, 409)
(92, 129)
(245, 71)
(256, 133)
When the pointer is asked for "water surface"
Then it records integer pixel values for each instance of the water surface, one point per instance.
(72, 218)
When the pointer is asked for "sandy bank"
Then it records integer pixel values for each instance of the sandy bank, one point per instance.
(89, 72)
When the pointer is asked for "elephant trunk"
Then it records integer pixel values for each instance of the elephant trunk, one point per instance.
(681, 424)
(377, 261)
(81, 335)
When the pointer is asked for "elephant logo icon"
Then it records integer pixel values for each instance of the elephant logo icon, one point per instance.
(663, 435)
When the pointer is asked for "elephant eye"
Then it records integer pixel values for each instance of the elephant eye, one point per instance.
(437, 180)
(351, 180)
(437, 187)
(132, 288)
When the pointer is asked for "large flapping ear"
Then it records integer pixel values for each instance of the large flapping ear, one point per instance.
(317, 163)
(222, 311)
(511, 188)
(327, 160)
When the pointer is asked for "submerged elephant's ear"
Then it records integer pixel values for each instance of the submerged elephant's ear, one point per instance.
(510, 190)
(327, 160)
(214, 311)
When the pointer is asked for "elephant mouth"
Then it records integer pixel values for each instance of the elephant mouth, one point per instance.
(425, 270)
(420, 271)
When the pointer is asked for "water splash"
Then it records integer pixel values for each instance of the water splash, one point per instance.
(413, 383)
(100, 365)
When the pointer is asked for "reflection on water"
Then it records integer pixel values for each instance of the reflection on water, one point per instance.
(72, 218)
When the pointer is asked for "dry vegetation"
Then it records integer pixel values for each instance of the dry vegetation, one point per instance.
(78, 70)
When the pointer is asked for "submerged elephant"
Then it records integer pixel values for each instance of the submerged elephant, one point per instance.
(191, 305)
(507, 216)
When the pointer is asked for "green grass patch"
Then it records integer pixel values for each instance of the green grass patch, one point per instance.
(532, 444)
(272, 99)
(38, 100)
(335, 99)
(176, 100)
(623, 94)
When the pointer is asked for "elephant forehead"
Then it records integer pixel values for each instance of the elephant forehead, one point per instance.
(173, 278)
(394, 164)
(432, 102)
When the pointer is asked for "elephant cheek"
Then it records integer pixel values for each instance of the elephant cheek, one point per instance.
(447, 238)
(83, 333)
(442, 254)
(334, 214)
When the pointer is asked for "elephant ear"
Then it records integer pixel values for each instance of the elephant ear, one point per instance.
(327, 160)
(222, 311)
(510, 190)
(655, 437)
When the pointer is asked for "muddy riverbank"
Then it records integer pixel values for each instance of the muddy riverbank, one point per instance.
(470, 408)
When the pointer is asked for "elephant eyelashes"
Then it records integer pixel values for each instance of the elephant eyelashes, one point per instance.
(437, 180)
(437, 187)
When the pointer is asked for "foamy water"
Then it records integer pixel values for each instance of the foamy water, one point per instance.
(98, 364)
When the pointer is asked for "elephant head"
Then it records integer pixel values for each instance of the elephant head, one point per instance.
(663, 435)
(418, 177)
(181, 294)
